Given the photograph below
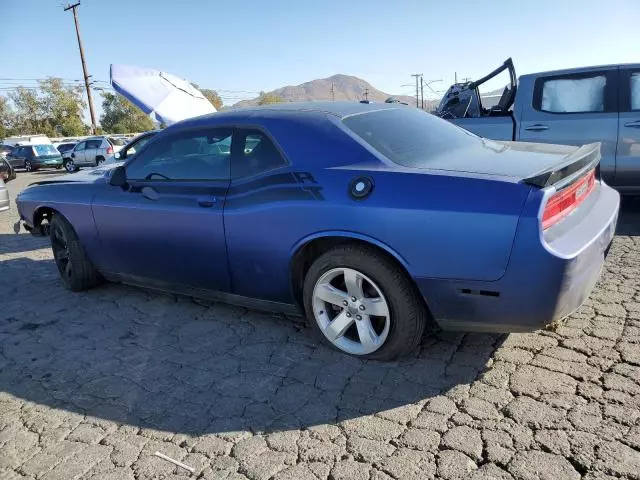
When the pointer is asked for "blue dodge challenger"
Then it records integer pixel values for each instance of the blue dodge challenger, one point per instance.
(370, 219)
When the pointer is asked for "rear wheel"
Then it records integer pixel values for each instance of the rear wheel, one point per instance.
(76, 270)
(364, 304)
(28, 166)
(99, 160)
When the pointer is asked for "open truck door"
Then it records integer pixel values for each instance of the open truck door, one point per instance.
(463, 100)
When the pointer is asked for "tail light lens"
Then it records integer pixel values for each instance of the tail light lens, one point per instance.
(567, 200)
(109, 149)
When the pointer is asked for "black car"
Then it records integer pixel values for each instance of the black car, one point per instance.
(6, 170)
(65, 147)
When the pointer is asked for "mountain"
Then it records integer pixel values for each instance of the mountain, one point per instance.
(345, 87)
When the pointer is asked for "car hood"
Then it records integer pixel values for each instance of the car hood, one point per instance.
(90, 175)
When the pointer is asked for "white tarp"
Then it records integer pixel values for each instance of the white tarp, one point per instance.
(164, 97)
(635, 91)
(575, 95)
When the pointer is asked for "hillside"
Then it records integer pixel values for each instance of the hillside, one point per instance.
(345, 87)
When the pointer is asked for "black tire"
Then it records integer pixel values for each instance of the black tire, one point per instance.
(99, 160)
(28, 166)
(77, 272)
(408, 312)
(66, 163)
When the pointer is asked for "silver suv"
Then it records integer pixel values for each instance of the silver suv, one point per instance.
(91, 152)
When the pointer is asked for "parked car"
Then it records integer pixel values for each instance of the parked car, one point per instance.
(573, 107)
(370, 219)
(27, 139)
(5, 203)
(131, 147)
(5, 148)
(35, 157)
(64, 147)
(90, 152)
(7, 173)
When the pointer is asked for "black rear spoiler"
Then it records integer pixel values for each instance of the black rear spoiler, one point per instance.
(580, 161)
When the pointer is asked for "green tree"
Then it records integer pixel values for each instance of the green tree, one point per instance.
(122, 116)
(6, 117)
(52, 109)
(269, 98)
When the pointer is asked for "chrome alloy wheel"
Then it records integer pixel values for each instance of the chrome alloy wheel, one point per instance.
(351, 311)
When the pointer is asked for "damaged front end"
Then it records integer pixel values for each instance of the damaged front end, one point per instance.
(463, 100)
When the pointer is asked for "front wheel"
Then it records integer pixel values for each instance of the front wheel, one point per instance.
(70, 166)
(76, 270)
(364, 304)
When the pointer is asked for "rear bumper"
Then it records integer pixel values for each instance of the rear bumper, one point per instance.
(548, 277)
(48, 163)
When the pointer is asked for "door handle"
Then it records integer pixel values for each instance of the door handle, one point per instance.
(538, 127)
(635, 124)
(150, 193)
(207, 202)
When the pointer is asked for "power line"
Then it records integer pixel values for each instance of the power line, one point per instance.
(74, 8)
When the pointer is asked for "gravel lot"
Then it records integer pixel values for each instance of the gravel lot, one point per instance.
(92, 384)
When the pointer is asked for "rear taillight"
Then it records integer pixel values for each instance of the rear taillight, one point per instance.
(109, 149)
(565, 201)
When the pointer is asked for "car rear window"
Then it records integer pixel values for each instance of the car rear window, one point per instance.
(118, 142)
(44, 150)
(408, 136)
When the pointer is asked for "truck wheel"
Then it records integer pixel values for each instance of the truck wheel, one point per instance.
(28, 166)
(76, 270)
(364, 304)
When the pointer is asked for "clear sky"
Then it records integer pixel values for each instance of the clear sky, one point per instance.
(242, 46)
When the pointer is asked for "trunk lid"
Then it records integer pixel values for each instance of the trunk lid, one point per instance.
(536, 164)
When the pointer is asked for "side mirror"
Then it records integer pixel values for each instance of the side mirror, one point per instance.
(119, 178)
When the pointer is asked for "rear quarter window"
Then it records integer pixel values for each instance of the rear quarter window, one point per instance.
(408, 136)
(591, 92)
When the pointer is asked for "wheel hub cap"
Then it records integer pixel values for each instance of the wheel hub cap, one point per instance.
(351, 311)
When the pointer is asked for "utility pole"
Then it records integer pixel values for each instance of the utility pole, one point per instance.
(456, 77)
(333, 92)
(84, 65)
(421, 92)
(366, 94)
(418, 77)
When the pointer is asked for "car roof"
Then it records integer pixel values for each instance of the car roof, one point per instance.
(290, 110)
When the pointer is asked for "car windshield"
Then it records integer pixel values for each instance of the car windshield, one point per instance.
(43, 150)
(408, 136)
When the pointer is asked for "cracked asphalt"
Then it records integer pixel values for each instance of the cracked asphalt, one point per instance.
(92, 384)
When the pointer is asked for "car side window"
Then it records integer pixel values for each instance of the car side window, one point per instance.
(634, 86)
(585, 93)
(256, 154)
(191, 155)
(136, 146)
(80, 147)
(93, 144)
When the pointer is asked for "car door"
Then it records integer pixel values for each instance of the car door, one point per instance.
(167, 228)
(78, 153)
(16, 157)
(91, 152)
(628, 155)
(576, 109)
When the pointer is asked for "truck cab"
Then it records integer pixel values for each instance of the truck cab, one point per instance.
(572, 107)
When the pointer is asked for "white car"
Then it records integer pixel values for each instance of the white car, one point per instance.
(91, 152)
